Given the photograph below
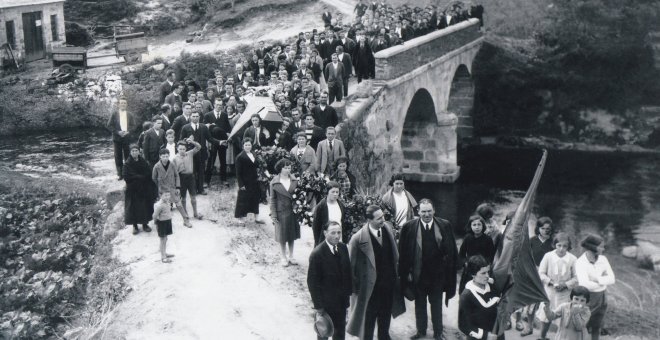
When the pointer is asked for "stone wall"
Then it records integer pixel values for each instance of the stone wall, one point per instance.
(423, 148)
(399, 60)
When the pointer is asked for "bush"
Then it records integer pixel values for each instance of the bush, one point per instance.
(49, 246)
(47, 112)
(77, 35)
(101, 11)
(197, 66)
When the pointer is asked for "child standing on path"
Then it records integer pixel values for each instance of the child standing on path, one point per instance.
(574, 315)
(167, 179)
(163, 217)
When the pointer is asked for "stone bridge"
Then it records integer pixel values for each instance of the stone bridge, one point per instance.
(419, 106)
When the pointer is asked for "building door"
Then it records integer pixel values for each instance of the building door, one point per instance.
(33, 36)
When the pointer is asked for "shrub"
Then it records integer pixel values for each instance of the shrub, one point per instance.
(77, 35)
(104, 11)
(197, 66)
(50, 245)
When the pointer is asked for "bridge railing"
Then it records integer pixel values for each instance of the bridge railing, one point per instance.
(401, 59)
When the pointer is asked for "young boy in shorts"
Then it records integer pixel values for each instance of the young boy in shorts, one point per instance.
(163, 218)
(167, 180)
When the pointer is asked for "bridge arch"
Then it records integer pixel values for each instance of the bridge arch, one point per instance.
(461, 101)
(417, 136)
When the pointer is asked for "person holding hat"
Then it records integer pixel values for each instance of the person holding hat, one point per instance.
(427, 266)
(329, 279)
(594, 272)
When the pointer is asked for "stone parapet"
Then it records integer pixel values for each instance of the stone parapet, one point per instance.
(399, 60)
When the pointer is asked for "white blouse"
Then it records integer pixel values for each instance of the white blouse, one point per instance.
(594, 276)
(334, 212)
(286, 182)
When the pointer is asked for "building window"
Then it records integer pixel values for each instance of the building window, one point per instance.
(53, 27)
(11, 33)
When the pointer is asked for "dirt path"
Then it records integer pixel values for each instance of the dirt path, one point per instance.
(225, 283)
(264, 26)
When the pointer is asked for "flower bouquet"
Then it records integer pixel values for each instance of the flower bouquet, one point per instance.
(310, 186)
(354, 212)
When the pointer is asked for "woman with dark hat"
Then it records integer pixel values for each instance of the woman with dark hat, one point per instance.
(287, 229)
(140, 194)
(594, 272)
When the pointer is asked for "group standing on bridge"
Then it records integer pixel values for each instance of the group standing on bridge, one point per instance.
(403, 249)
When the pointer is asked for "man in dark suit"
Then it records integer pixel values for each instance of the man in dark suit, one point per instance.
(123, 126)
(165, 112)
(347, 62)
(334, 77)
(329, 278)
(175, 96)
(314, 133)
(297, 124)
(218, 124)
(324, 114)
(327, 18)
(427, 265)
(257, 130)
(154, 140)
(407, 32)
(346, 42)
(201, 134)
(166, 87)
(181, 121)
(363, 60)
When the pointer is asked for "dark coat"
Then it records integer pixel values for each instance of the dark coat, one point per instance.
(329, 285)
(263, 140)
(326, 117)
(363, 60)
(410, 255)
(321, 218)
(114, 126)
(284, 140)
(172, 99)
(152, 144)
(222, 122)
(348, 65)
(202, 135)
(287, 228)
(178, 124)
(336, 76)
(167, 122)
(247, 200)
(164, 89)
(140, 191)
(326, 17)
(348, 44)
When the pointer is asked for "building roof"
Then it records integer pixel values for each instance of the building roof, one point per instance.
(18, 3)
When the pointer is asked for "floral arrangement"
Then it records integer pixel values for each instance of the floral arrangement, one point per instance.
(354, 213)
(310, 186)
(302, 207)
(262, 167)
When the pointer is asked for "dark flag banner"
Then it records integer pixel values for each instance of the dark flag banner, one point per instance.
(514, 271)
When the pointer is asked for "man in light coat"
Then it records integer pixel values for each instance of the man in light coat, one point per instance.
(376, 294)
(328, 151)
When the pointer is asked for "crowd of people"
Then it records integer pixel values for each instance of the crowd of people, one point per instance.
(414, 255)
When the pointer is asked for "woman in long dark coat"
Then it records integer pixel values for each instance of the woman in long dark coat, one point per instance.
(329, 208)
(139, 194)
(282, 189)
(247, 201)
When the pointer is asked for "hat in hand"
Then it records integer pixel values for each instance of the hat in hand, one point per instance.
(323, 325)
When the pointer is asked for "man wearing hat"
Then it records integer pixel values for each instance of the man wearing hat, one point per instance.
(329, 279)
(427, 266)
